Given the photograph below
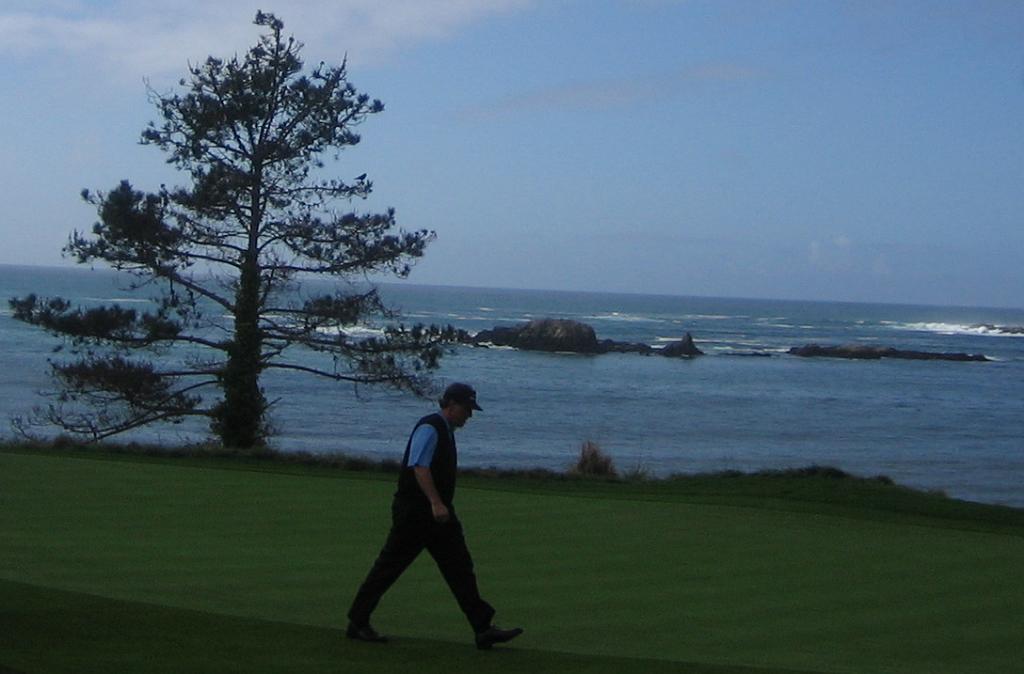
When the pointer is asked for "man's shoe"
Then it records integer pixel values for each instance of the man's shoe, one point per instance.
(495, 635)
(364, 633)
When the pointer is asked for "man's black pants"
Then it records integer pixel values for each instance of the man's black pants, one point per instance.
(413, 529)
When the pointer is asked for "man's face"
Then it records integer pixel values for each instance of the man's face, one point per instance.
(460, 414)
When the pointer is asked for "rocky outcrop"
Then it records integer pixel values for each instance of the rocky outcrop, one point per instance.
(684, 348)
(611, 346)
(546, 334)
(866, 352)
(565, 335)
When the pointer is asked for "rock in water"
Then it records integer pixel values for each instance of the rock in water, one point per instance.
(557, 334)
(867, 352)
(566, 335)
(684, 348)
(545, 334)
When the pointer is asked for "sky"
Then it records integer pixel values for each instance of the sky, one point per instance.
(822, 150)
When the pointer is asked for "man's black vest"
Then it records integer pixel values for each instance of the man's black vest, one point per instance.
(442, 467)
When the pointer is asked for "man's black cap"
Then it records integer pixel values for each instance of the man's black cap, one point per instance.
(460, 393)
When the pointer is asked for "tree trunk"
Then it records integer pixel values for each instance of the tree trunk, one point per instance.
(239, 419)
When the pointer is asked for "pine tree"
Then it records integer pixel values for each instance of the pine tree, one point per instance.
(252, 134)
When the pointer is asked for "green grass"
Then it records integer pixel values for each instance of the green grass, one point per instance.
(126, 563)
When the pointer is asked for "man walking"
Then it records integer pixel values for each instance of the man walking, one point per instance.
(423, 517)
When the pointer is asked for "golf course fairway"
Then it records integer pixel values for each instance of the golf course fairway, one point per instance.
(136, 564)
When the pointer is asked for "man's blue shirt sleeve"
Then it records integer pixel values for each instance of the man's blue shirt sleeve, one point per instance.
(424, 442)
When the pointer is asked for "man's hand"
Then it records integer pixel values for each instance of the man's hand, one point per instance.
(426, 482)
(441, 514)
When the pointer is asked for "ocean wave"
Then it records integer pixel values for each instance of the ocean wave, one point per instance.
(119, 300)
(959, 329)
(646, 318)
(623, 317)
(757, 344)
(710, 317)
(357, 332)
(1000, 330)
(499, 320)
(667, 340)
(784, 324)
(433, 316)
(496, 347)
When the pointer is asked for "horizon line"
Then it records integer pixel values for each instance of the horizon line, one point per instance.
(632, 293)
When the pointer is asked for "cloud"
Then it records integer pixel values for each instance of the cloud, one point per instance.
(839, 255)
(843, 255)
(616, 92)
(153, 38)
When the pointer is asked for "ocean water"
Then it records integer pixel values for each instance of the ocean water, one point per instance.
(949, 426)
